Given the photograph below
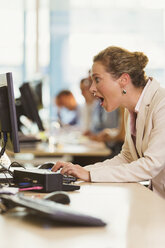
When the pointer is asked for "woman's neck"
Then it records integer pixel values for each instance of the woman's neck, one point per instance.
(132, 98)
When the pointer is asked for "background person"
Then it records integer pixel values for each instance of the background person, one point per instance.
(88, 108)
(112, 137)
(100, 125)
(68, 109)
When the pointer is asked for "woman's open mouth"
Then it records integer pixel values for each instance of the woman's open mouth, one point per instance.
(101, 99)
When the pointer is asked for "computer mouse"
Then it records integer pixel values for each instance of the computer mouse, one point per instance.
(59, 197)
(46, 165)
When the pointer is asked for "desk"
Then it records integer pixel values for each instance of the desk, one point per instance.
(83, 154)
(92, 148)
(135, 217)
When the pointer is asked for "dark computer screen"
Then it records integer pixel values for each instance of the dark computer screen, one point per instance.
(8, 120)
(36, 87)
(28, 105)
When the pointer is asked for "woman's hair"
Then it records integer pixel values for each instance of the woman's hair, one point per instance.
(117, 61)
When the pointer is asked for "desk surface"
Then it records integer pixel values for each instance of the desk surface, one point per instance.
(135, 218)
(89, 149)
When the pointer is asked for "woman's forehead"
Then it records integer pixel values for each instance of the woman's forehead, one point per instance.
(97, 68)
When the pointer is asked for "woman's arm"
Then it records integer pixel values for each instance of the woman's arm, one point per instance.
(144, 168)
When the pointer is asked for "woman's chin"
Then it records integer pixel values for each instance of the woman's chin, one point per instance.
(106, 108)
(109, 108)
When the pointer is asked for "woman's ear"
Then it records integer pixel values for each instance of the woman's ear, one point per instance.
(124, 80)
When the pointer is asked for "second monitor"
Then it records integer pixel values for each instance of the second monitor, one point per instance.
(27, 106)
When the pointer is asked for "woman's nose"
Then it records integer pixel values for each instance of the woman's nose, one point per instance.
(92, 89)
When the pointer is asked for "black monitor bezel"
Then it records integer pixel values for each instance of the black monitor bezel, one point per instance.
(13, 116)
(29, 104)
(12, 112)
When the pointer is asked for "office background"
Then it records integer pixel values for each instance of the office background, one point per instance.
(55, 40)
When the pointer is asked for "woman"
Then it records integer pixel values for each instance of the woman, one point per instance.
(119, 80)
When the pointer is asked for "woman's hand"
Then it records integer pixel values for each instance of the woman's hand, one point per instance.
(73, 170)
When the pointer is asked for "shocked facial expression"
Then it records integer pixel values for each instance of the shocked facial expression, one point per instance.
(105, 87)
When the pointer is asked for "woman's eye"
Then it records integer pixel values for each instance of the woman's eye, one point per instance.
(97, 80)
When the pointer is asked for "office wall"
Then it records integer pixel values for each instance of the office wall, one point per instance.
(71, 32)
(83, 28)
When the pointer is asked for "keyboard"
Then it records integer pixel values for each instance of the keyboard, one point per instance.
(52, 210)
(66, 178)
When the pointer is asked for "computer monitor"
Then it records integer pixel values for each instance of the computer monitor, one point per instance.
(8, 121)
(28, 105)
(36, 87)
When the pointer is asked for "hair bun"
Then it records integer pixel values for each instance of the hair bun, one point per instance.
(141, 58)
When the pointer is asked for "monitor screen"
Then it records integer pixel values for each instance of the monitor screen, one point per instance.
(29, 105)
(36, 86)
(8, 121)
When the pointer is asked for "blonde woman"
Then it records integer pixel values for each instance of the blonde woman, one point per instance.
(119, 79)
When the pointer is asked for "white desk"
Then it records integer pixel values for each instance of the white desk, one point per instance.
(92, 148)
(135, 218)
(90, 151)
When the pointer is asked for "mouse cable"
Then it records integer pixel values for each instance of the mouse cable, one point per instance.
(16, 164)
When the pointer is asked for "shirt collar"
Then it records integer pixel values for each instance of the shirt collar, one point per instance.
(141, 96)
